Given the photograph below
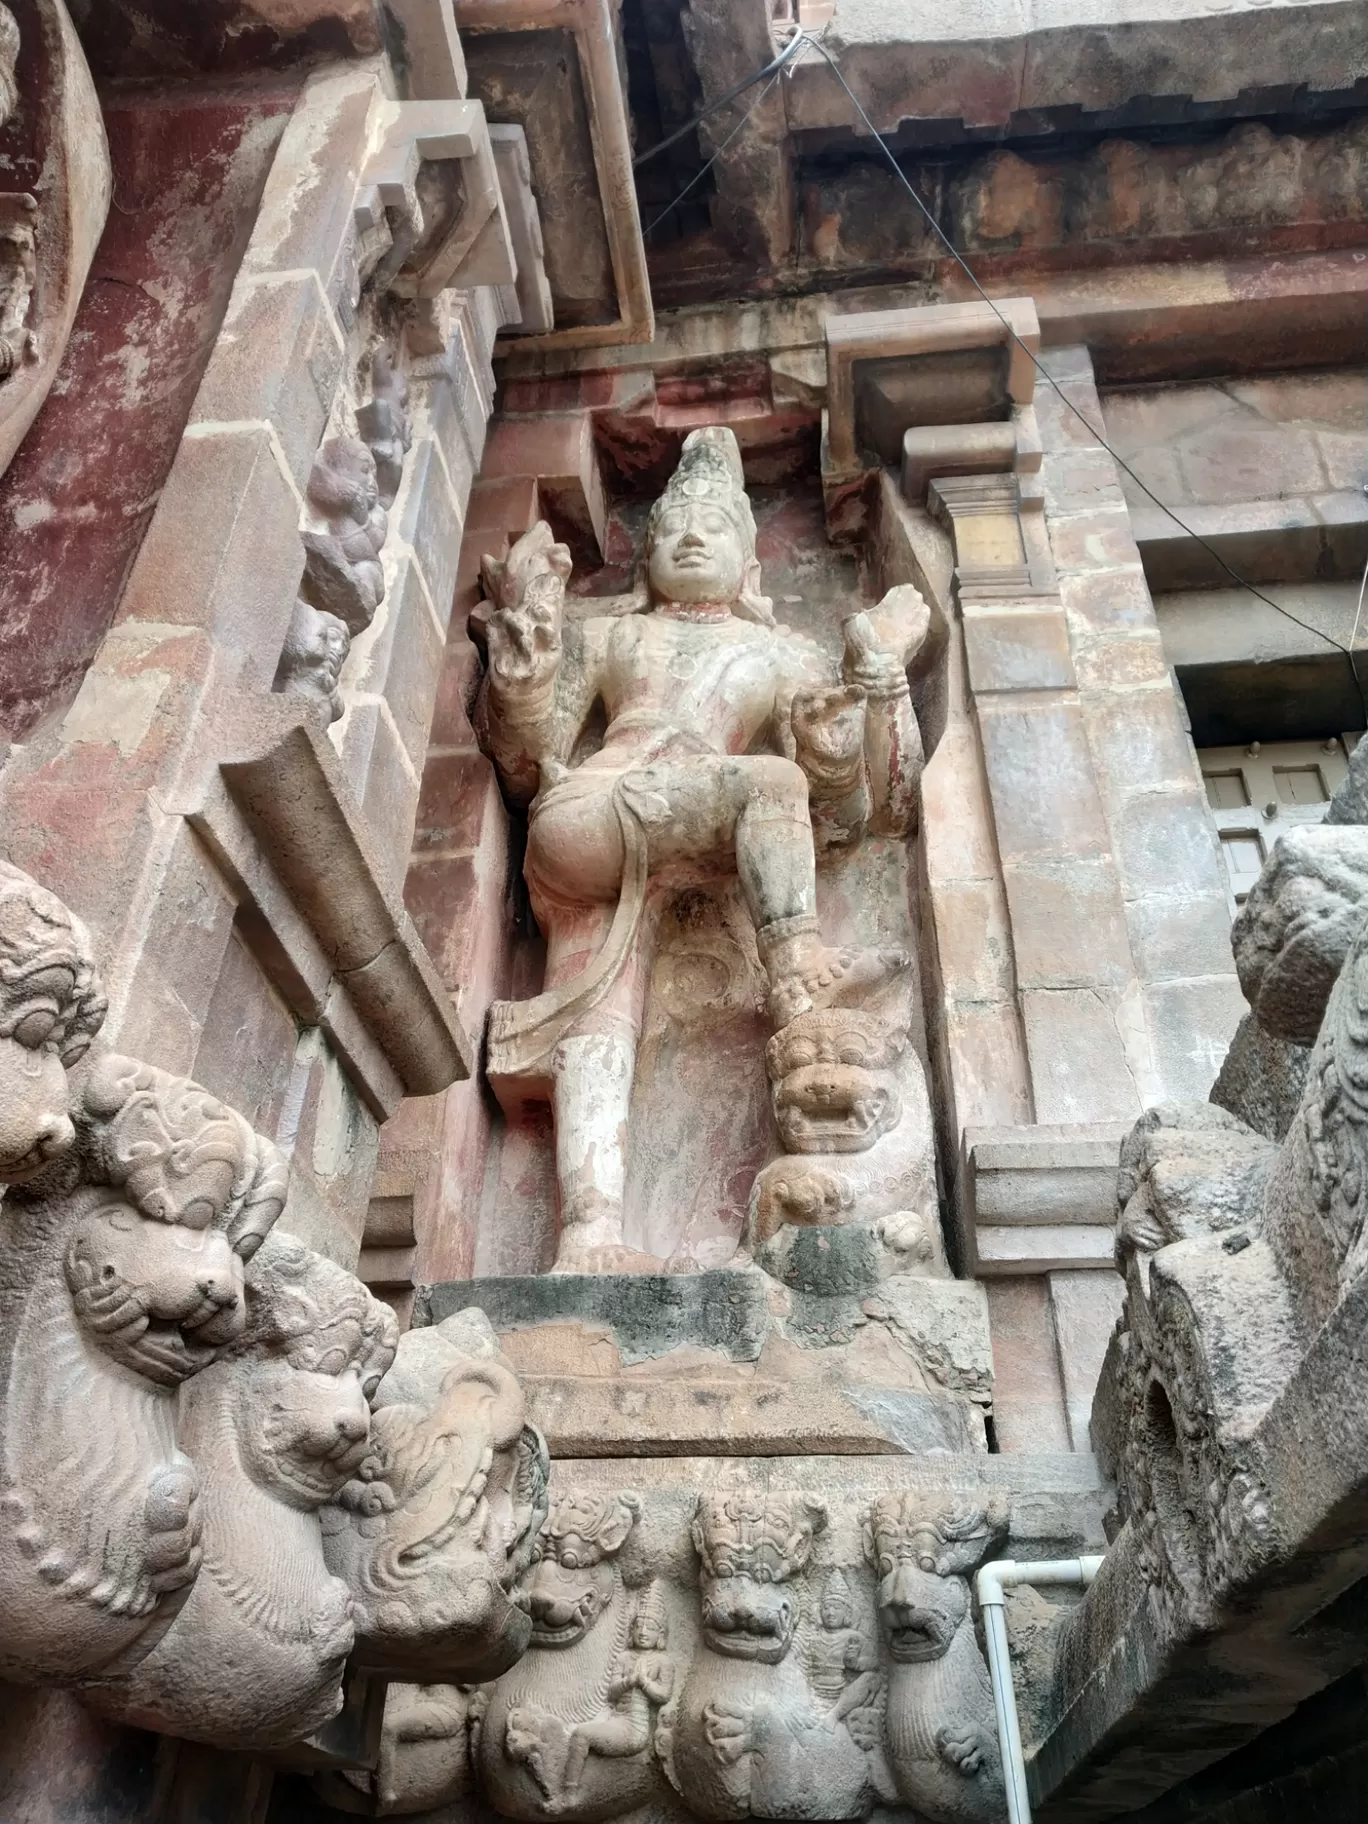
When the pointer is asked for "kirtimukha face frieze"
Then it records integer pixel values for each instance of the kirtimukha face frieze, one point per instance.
(733, 747)
(122, 1281)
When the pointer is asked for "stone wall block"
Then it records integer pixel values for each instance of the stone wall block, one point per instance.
(1114, 600)
(248, 1039)
(279, 357)
(992, 1082)
(957, 824)
(390, 799)
(1017, 649)
(1119, 662)
(223, 552)
(1045, 802)
(1068, 928)
(1028, 1394)
(428, 519)
(460, 794)
(305, 219)
(1237, 460)
(457, 683)
(974, 939)
(1092, 541)
(1175, 936)
(1191, 1024)
(399, 656)
(1138, 739)
(1085, 1307)
(1082, 480)
(174, 972)
(1079, 1065)
(458, 904)
(1164, 841)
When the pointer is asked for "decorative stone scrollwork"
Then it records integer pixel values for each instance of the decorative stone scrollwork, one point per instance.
(940, 1734)
(568, 1732)
(755, 1734)
(122, 1282)
(276, 1428)
(51, 1008)
(441, 1518)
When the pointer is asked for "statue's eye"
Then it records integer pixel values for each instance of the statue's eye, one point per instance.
(886, 1563)
(570, 1560)
(36, 1028)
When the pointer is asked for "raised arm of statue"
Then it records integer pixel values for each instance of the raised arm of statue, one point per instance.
(524, 633)
(880, 644)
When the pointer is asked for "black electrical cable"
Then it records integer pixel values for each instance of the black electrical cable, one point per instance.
(771, 68)
(700, 174)
(1051, 382)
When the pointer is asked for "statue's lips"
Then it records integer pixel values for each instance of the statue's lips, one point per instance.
(921, 1638)
(838, 1129)
(738, 1643)
(565, 1636)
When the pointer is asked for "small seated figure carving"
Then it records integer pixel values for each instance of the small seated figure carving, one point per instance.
(752, 1737)
(343, 574)
(850, 1105)
(940, 1725)
(640, 1686)
(533, 1761)
(312, 658)
(51, 1008)
(124, 1281)
(276, 1428)
(441, 1519)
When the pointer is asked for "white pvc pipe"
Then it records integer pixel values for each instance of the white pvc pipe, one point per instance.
(991, 1584)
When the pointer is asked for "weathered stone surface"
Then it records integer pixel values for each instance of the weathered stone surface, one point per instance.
(1262, 1079)
(1294, 931)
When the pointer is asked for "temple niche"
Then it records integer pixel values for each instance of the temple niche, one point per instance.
(720, 772)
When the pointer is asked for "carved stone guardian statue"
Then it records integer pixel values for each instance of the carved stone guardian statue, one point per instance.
(568, 1731)
(728, 741)
(276, 1428)
(755, 1736)
(940, 1732)
(121, 1280)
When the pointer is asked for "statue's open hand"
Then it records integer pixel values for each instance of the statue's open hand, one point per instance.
(963, 1745)
(527, 590)
(828, 735)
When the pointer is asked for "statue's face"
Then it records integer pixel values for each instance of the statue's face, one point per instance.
(697, 555)
(304, 1433)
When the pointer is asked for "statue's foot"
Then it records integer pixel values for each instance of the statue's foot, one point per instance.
(598, 1247)
(827, 976)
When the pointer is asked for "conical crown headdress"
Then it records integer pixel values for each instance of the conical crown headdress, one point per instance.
(710, 469)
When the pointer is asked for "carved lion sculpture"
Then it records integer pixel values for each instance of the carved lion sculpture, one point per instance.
(533, 1763)
(940, 1730)
(276, 1428)
(850, 1105)
(752, 1737)
(441, 1519)
(50, 1009)
(120, 1285)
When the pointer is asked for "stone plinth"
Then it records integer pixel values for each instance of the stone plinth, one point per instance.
(658, 1365)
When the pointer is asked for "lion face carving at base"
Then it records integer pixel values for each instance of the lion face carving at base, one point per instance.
(50, 1009)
